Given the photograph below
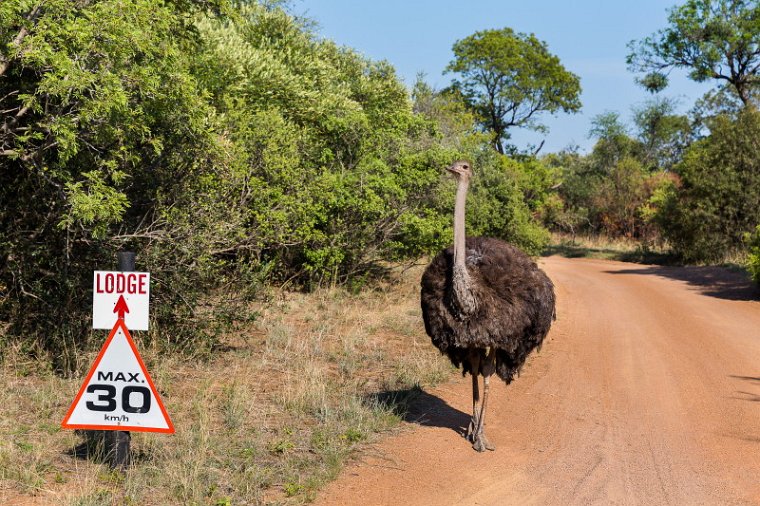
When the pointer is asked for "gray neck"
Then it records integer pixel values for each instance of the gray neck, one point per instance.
(459, 236)
(464, 301)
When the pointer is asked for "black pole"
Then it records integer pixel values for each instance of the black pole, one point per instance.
(126, 260)
(118, 441)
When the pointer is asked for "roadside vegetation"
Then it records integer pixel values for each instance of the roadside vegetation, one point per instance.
(687, 183)
(269, 418)
(231, 148)
(278, 187)
(621, 249)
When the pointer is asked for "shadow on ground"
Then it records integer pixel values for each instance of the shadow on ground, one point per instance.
(98, 446)
(744, 395)
(713, 281)
(414, 405)
(747, 378)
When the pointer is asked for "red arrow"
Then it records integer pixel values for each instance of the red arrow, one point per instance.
(121, 307)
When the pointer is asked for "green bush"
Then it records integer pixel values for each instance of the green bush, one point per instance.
(753, 256)
(93, 161)
(718, 199)
(497, 205)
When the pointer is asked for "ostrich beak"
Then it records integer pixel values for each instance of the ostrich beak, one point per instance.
(460, 168)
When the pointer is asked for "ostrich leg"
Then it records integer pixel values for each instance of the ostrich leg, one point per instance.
(473, 427)
(472, 430)
(480, 441)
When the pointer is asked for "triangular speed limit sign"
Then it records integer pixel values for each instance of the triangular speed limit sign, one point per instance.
(118, 393)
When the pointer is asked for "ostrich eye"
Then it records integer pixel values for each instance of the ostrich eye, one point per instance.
(466, 166)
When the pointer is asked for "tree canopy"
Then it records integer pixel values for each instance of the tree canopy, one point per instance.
(509, 78)
(711, 39)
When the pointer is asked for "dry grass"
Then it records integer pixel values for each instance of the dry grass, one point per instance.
(597, 242)
(608, 248)
(630, 250)
(267, 421)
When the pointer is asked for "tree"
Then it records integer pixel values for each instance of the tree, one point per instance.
(663, 133)
(507, 78)
(711, 39)
(617, 188)
(613, 144)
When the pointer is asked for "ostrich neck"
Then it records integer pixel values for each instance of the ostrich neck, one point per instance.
(459, 236)
(464, 300)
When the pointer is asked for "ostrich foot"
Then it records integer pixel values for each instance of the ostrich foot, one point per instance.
(481, 443)
(472, 429)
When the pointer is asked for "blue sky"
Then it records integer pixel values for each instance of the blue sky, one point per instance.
(589, 36)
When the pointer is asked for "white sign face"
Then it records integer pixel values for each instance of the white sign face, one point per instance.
(118, 393)
(108, 287)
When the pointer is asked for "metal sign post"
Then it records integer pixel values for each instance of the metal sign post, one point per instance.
(117, 443)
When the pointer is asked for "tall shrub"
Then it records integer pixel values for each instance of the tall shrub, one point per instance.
(718, 199)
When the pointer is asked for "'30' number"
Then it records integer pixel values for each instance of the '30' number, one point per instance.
(106, 400)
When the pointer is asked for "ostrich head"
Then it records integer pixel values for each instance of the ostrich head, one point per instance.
(462, 169)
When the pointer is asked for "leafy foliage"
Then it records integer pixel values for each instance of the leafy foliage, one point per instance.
(229, 147)
(333, 174)
(90, 155)
(616, 188)
(663, 134)
(718, 200)
(712, 39)
(753, 258)
(507, 78)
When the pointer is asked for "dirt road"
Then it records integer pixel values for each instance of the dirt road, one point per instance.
(647, 392)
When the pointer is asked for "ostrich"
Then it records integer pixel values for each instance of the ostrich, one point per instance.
(486, 305)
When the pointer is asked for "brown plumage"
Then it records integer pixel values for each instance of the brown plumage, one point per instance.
(486, 305)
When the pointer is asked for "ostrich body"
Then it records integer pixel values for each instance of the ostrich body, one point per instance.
(486, 305)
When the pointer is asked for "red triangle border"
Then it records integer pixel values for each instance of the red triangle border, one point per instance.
(119, 325)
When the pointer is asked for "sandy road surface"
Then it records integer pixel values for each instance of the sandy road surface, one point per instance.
(647, 392)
